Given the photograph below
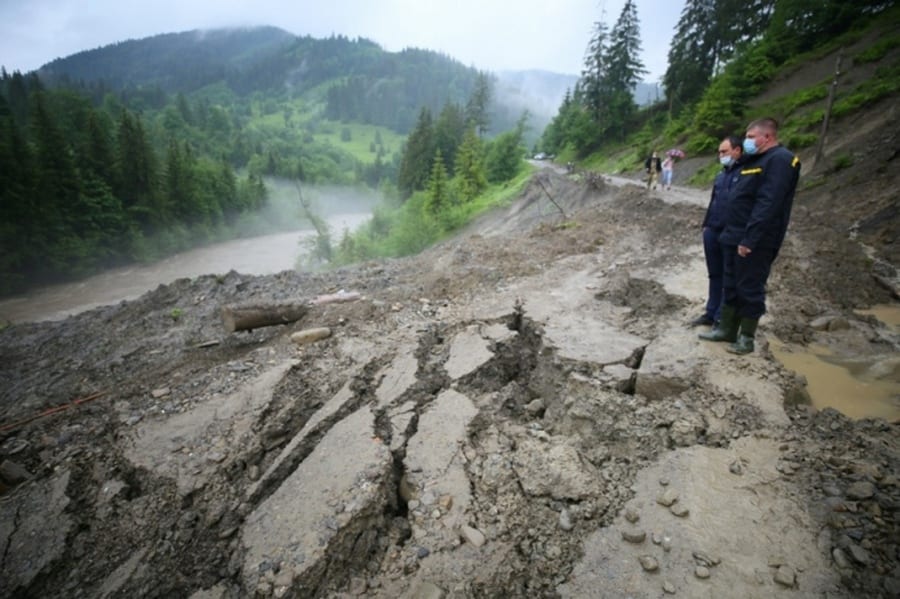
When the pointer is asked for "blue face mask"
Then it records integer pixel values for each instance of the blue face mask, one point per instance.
(750, 146)
(726, 160)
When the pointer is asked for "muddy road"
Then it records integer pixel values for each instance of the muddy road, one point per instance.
(518, 412)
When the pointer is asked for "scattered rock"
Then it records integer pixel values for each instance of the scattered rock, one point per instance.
(535, 407)
(667, 497)
(679, 510)
(668, 587)
(706, 560)
(13, 473)
(840, 558)
(634, 535)
(858, 554)
(736, 468)
(701, 572)
(565, 520)
(161, 392)
(632, 515)
(861, 490)
(785, 576)
(473, 536)
(427, 590)
(308, 336)
(649, 563)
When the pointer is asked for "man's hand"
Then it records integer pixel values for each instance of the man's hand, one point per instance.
(743, 251)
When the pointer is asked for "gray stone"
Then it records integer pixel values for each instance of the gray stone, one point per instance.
(473, 536)
(556, 470)
(632, 515)
(736, 468)
(649, 563)
(668, 587)
(427, 590)
(785, 576)
(667, 497)
(706, 560)
(535, 407)
(358, 586)
(565, 520)
(858, 554)
(838, 323)
(13, 472)
(679, 510)
(634, 535)
(701, 572)
(861, 490)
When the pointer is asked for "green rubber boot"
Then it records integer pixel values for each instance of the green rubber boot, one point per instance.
(727, 329)
(744, 343)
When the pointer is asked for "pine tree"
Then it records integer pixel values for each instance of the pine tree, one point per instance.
(595, 70)
(415, 165)
(624, 69)
(470, 175)
(706, 38)
(477, 107)
(438, 193)
(448, 132)
(136, 180)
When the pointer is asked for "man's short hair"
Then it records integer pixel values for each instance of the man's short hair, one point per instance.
(765, 123)
(735, 142)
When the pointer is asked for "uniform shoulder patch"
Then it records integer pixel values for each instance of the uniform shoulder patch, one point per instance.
(795, 162)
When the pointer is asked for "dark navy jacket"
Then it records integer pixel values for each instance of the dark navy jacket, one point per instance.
(759, 205)
(715, 212)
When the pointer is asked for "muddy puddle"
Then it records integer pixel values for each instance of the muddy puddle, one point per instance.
(889, 314)
(859, 388)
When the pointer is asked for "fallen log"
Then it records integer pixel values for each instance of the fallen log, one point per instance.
(253, 316)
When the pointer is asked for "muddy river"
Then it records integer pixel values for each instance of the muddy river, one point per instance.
(267, 254)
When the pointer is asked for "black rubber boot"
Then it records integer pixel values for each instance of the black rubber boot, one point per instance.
(744, 343)
(727, 329)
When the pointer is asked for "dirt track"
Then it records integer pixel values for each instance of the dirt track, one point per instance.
(518, 412)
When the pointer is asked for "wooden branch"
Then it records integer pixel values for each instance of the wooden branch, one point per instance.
(541, 183)
(253, 316)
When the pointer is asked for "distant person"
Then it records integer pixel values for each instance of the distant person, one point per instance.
(756, 219)
(668, 169)
(654, 167)
(713, 224)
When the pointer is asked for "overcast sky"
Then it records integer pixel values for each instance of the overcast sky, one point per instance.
(488, 34)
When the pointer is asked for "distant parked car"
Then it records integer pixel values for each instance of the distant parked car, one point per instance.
(540, 156)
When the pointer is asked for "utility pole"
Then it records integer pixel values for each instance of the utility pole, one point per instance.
(828, 105)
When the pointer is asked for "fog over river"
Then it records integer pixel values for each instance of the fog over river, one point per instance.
(267, 254)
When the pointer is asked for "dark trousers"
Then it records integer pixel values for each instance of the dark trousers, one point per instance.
(744, 280)
(714, 269)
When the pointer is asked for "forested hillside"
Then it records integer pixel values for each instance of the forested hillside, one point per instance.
(723, 55)
(146, 147)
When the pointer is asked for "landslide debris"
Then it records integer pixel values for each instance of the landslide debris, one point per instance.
(518, 412)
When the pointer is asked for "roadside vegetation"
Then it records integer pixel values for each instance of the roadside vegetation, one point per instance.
(723, 56)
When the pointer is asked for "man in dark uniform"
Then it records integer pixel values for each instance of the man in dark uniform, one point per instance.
(654, 167)
(713, 224)
(756, 220)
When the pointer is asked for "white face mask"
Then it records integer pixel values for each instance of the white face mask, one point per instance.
(726, 160)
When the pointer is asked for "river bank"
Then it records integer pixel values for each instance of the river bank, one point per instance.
(262, 255)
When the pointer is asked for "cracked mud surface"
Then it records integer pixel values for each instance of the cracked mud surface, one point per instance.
(519, 412)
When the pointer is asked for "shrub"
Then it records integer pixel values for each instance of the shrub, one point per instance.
(800, 140)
